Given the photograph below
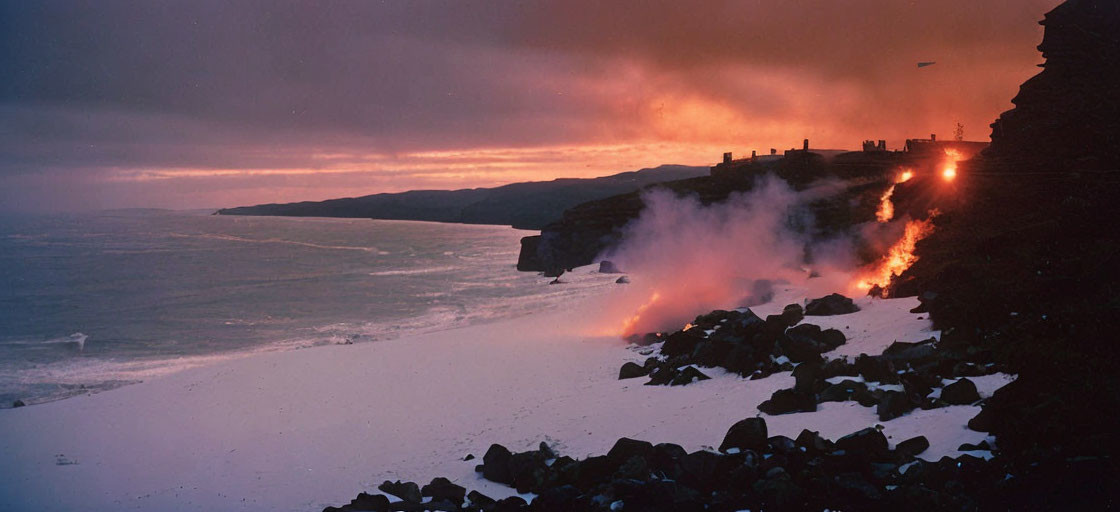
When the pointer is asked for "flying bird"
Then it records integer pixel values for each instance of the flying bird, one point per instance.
(924, 64)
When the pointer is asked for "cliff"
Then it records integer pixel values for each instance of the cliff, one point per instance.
(586, 230)
(529, 205)
(1068, 115)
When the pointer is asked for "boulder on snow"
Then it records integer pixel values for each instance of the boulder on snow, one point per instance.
(688, 375)
(622, 280)
(748, 434)
(495, 465)
(961, 392)
(892, 405)
(868, 442)
(912, 447)
(441, 489)
(632, 370)
(625, 448)
(407, 491)
(834, 304)
(785, 401)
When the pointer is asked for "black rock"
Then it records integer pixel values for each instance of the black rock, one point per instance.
(911, 353)
(982, 422)
(681, 342)
(831, 338)
(688, 375)
(813, 443)
(368, 502)
(799, 348)
(665, 458)
(781, 445)
(626, 448)
(806, 376)
(632, 370)
(892, 405)
(622, 280)
(441, 489)
(792, 314)
(510, 504)
(982, 445)
(867, 442)
(558, 499)
(608, 267)
(961, 392)
(829, 305)
(407, 491)
(876, 369)
(495, 465)
(842, 391)
(528, 470)
(912, 447)
(779, 492)
(698, 469)
(838, 368)
(470, 456)
(18, 403)
(480, 500)
(785, 401)
(748, 434)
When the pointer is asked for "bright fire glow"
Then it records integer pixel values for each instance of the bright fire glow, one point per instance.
(949, 172)
(630, 323)
(886, 207)
(898, 258)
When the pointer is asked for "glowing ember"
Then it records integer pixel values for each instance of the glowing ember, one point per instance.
(886, 207)
(630, 323)
(898, 258)
(949, 173)
(688, 326)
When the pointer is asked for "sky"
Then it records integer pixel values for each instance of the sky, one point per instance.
(206, 104)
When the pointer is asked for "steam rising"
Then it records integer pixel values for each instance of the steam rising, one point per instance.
(688, 258)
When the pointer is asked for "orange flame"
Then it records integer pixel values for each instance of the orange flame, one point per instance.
(630, 323)
(886, 207)
(949, 171)
(898, 258)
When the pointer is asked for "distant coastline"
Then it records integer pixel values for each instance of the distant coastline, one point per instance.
(529, 205)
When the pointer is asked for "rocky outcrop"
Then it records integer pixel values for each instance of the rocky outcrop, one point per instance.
(1068, 115)
(751, 471)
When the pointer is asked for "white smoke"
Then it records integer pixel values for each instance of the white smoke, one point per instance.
(697, 258)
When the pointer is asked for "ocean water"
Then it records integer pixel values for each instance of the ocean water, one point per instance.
(94, 301)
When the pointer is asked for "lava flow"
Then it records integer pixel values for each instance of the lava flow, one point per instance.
(630, 323)
(886, 207)
(898, 258)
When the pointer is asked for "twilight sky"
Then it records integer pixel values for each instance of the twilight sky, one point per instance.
(107, 104)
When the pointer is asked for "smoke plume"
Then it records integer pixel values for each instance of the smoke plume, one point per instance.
(686, 258)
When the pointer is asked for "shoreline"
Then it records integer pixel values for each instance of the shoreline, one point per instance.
(300, 430)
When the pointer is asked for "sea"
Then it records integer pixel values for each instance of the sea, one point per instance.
(93, 301)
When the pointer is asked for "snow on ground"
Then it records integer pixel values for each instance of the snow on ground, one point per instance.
(303, 429)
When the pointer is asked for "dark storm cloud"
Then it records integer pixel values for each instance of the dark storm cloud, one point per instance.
(96, 92)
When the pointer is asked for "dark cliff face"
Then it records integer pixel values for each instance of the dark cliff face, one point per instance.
(1069, 113)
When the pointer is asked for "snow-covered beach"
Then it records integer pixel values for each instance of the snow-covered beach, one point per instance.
(303, 429)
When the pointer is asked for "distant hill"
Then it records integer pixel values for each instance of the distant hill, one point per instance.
(530, 205)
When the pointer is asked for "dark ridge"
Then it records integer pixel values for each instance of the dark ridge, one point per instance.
(528, 205)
